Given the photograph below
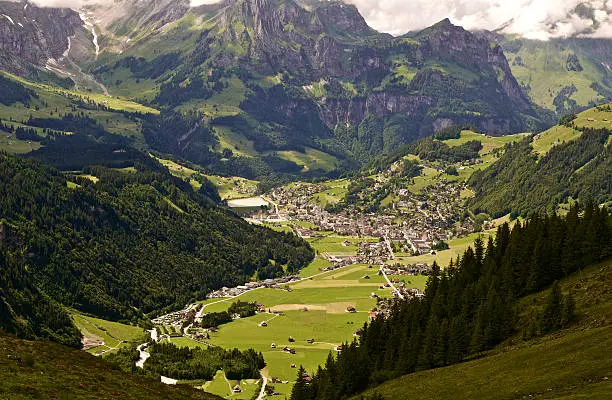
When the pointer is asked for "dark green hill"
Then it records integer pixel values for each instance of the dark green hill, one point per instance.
(46, 370)
(570, 364)
(137, 241)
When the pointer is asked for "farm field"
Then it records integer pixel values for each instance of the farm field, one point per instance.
(334, 244)
(325, 297)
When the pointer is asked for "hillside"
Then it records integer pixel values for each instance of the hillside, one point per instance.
(42, 369)
(118, 243)
(569, 364)
(566, 163)
(561, 75)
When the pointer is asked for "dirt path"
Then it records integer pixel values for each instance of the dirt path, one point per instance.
(262, 391)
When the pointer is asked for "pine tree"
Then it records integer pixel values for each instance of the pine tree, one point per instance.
(551, 316)
(300, 390)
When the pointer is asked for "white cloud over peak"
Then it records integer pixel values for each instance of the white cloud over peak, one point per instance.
(534, 19)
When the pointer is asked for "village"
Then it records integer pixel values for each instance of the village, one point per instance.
(413, 224)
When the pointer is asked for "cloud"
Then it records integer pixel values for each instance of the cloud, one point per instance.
(59, 3)
(536, 19)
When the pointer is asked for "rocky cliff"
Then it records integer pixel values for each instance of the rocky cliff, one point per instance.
(30, 35)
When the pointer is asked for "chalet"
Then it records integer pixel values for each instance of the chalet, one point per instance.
(237, 389)
(292, 365)
(263, 324)
(273, 345)
(339, 348)
(310, 341)
(351, 309)
(291, 339)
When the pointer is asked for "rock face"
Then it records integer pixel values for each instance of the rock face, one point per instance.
(30, 35)
(332, 41)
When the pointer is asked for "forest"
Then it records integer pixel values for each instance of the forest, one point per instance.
(470, 306)
(135, 242)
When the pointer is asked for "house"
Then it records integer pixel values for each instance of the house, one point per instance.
(264, 324)
(351, 309)
(310, 341)
(291, 339)
(237, 389)
(292, 365)
(339, 348)
(273, 345)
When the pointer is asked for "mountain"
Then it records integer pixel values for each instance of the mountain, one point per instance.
(269, 82)
(120, 243)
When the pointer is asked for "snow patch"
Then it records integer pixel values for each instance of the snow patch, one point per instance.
(19, 23)
(9, 18)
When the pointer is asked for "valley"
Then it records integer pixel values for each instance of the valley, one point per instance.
(260, 199)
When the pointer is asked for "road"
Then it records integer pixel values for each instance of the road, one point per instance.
(388, 242)
(382, 270)
(275, 207)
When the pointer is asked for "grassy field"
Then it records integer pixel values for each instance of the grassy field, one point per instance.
(11, 145)
(488, 142)
(108, 101)
(543, 69)
(325, 297)
(573, 366)
(310, 160)
(334, 244)
(233, 187)
(235, 141)
(223, 387)
(593, 118)
(114, 334)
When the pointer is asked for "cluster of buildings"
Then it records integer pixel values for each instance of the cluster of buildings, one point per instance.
(238, 290)
(413, 221)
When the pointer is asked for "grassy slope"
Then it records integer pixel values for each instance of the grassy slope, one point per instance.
(573, 363)
(114, 334)
(591, 118)
(45, 370)
(543, 69)
(53, 102)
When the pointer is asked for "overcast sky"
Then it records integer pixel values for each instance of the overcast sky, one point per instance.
(534, 19)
